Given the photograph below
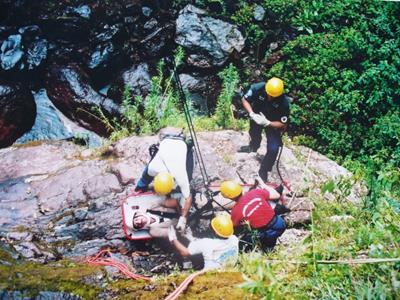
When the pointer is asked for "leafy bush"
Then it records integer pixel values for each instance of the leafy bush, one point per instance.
(223, 113)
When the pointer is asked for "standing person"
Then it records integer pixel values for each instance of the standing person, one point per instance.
(268, 109)
(216, 251)
(173, 165)
(253, 207)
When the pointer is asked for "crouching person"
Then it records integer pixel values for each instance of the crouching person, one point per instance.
(216, 251)
(254, 208)
(173, 165)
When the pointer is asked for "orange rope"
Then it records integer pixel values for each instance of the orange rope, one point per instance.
(179, 290)
(101, 260)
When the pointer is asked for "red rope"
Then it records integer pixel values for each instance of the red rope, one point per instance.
(100, 259)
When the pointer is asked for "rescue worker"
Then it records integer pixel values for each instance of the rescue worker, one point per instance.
(268, 109)
(173, 163)
(216, 251)
(254, 208)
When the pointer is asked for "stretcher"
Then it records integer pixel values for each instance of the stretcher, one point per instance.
(138, 201)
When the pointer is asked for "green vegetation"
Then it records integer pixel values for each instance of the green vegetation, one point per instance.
(344, 78)
(356, 233)
(163, 106)
(32, 278)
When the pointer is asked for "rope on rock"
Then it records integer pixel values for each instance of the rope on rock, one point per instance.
(338, 262)
(101, 259)
(179, 290)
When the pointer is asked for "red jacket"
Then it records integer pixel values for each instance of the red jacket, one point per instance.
(253, 207)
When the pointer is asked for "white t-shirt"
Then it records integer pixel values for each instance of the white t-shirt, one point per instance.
(171, 157)
(215, 251)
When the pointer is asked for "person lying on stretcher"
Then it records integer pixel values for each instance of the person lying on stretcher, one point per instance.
(157, 220)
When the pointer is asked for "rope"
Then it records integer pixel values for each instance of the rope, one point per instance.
(304, 171)
(284, 182)
(340, 261)
(179, 290)
(100, 259)
(190, 125)
(199, 157)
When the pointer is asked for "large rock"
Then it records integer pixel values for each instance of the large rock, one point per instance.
(51, 124)
(17, 112)
(23, 51)
(208, 40)
(68, 88)
(137, 79)
(11, 52)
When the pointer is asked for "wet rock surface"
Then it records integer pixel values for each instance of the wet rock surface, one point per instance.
(17, 112)
(69, 89)
(51, 124)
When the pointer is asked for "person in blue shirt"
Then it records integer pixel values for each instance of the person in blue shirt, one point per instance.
(268, 108)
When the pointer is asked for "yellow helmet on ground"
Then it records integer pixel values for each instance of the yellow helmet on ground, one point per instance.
(274, 87)
(163, 183)
(222, 225)
(230, 189)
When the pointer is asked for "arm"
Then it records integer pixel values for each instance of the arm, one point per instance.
(186, 207)
(182, 250)
(278, 125)
(272, 193)
(247, 105)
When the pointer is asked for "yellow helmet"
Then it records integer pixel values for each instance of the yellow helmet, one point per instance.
(222, 225)
(230, 189)
(163, 183)
(274, 87)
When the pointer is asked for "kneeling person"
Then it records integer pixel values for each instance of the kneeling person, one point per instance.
(215, 251)
(254, 207)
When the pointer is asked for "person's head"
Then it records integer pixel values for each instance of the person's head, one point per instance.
(222, 225)
(274, 87)
(163, 183)
(140, 220)
(230, 189)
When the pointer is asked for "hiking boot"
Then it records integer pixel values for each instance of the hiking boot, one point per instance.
(246, 149)
(279, 189)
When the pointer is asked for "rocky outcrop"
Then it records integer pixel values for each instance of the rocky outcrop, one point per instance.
(17, 112)
(56, 201)
(209, 41)
(68, 88)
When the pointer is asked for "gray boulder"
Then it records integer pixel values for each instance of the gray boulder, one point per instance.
(210, 41)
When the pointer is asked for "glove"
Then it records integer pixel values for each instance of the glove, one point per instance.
(172, 234)
(255, 117)
(181, 224)
(188, 234)
(263, 121)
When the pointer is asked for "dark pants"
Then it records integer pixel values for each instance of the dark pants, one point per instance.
(146, 179)
(267, 238)
(274, 141)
